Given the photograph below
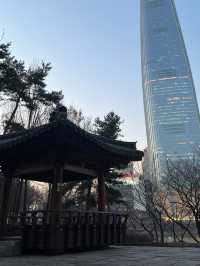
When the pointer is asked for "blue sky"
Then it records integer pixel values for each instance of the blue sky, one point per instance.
(94, 48)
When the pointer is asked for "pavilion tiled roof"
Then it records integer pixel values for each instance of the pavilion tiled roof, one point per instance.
(127, 149)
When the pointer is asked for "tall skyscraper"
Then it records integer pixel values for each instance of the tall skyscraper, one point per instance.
(171, 109)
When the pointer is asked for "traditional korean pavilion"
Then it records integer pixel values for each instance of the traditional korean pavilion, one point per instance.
(57, 153)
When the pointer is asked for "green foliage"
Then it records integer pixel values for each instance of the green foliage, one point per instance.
(114, 195)
(37, 87)
(24, 90)
(13, 82)
(79, 195)
(109, 127)
(113, 184)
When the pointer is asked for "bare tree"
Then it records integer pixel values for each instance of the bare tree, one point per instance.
(36, 198)
(148, 209)
(183, 182)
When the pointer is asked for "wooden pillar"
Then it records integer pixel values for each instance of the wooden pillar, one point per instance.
(101, 192)
(5, 204)
(18, 203)
(56, 195)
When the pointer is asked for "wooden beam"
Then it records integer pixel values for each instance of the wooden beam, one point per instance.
(33, 169)
(80, 170)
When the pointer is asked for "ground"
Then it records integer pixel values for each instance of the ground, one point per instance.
(116, 256)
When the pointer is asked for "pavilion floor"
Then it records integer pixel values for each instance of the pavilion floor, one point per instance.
(115, 256)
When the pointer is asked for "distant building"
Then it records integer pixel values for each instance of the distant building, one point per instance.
(171, 110)
(146, 166)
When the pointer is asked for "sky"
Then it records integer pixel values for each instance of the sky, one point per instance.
(94, 49)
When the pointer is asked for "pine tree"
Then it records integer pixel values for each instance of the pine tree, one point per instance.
(110, 127)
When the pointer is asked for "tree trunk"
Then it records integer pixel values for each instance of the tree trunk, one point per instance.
(149, 231)
(12, 116)
(30, 118)
(155, 231)
(174, 231)
(188, 230)
(162, 234)
(197, 222)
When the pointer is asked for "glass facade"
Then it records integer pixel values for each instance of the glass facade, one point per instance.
(171, 109)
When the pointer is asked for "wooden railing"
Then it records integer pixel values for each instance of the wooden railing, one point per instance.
(58, 232)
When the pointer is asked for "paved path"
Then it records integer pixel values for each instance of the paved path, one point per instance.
(116, 256)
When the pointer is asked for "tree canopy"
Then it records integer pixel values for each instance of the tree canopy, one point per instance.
(110, 126)
(24, 91)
